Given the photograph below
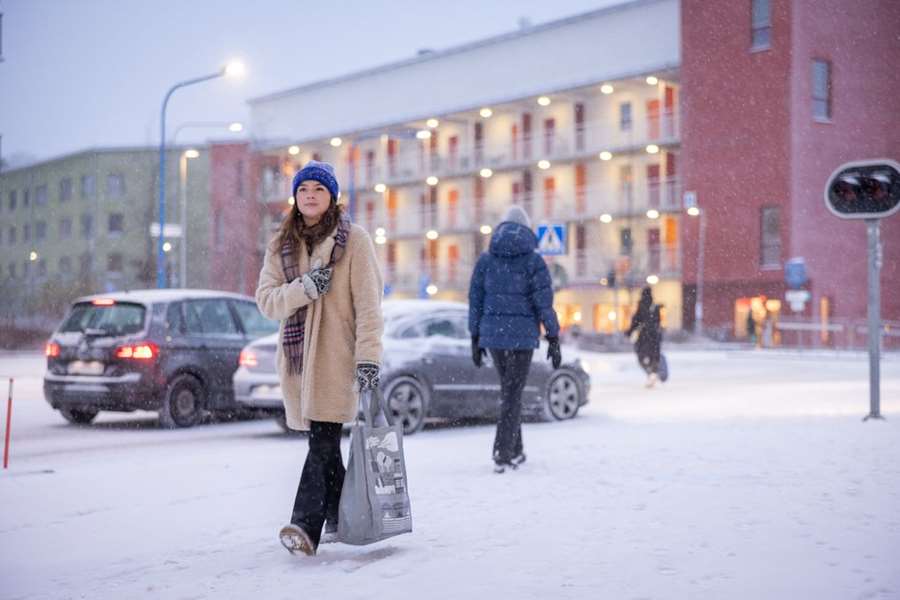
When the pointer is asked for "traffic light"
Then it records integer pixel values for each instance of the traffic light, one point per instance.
(864, 190)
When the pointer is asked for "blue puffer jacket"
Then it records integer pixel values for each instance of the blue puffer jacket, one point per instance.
(511, 293)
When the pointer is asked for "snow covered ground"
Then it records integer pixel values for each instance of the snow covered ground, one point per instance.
(748, 475)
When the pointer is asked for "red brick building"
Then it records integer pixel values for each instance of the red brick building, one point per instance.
(776, 94)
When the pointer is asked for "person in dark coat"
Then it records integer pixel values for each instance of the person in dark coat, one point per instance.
(510, 297)
(646, 321)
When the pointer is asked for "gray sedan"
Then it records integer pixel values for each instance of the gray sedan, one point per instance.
(428, 372)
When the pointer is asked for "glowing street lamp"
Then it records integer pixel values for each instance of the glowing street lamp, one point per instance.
(233, 69)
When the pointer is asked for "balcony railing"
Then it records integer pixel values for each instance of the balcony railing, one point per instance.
(412, 163)
(664, 261)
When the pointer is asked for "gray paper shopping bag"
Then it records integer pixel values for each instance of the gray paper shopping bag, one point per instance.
(374, 501)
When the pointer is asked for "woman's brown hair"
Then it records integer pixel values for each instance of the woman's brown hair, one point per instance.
(294, 229)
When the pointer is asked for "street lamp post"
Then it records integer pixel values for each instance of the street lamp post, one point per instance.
(232, 69)
(695, 211)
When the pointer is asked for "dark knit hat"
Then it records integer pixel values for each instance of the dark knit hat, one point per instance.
(317, 171)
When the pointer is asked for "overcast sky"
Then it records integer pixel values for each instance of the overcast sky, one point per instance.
(89, 73)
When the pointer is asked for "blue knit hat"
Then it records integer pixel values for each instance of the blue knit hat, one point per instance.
(317, 171)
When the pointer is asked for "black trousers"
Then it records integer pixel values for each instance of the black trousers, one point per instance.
(319, 492)
(513, 367)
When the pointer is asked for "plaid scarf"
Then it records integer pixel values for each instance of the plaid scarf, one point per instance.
(295, 326)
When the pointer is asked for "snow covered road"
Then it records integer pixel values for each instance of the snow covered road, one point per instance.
(748, 475)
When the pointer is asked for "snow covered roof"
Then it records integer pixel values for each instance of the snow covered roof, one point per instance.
(622, 41)
(162, 295)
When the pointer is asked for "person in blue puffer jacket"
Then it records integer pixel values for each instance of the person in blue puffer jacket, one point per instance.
(510, 297)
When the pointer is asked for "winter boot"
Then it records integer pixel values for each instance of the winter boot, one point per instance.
(518, 459)
(329, 535)
(501, 466)
(651, 380)
(295, 539)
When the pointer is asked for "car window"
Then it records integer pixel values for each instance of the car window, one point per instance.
(445, 327)
(414, 330)
(174, 320)
(214, 317)
(114, 319)
(255, 324)
(192, 323)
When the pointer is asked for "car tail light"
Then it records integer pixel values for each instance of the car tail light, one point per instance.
(51, 349)
(248, 359)
(138, 351)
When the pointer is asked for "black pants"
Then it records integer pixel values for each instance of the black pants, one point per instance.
(513, 367)
(319, 492)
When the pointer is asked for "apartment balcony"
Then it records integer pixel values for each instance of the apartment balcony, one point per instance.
(415, 223)
(413, 165)
(445, 275)
(590, 266)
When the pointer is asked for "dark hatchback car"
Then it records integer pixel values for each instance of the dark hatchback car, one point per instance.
(171, 351)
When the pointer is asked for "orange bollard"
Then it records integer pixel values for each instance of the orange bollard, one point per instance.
(8, 421)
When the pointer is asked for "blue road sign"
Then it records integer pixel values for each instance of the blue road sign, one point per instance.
(551, 239)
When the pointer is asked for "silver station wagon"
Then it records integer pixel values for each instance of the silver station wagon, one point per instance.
(428, 372)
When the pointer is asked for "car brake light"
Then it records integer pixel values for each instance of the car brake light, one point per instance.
(140, 351)
(51, 349)
(103, 302)
(248, 359)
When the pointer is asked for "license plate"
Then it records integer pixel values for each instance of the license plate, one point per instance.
(80, 367)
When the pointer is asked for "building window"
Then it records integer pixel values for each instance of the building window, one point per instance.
(88, 186)
(65, 228)
(40, 195)
(761, 25)
(115, 185)
(116, 223)
(85, 264)
(218, 230)
(26, 232)
(12, 270)
(87, 227)
(625, 241)
(625, 116)
(65, 189)
(770, 237)
(65, 266)
(25, 198)
(13, 200)
(821, 90)
(42, 269)
(114, 264)
(40, 231)
(239, 173)
(12, 236)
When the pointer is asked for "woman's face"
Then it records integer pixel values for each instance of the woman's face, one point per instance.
(312, 200)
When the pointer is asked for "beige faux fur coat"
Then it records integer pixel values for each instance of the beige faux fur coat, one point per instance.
(343, 328)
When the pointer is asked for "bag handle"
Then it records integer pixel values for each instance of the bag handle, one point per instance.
(371, 406)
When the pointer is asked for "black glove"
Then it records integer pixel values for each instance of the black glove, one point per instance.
(554, 354)
(317, 282)
(368, 376)
(477, 353)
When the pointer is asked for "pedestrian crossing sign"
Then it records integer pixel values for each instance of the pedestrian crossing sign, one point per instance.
(551, 239)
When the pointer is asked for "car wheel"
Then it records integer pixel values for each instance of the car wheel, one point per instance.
(406, 399)
(183, 403)
(563, 397)
(79, 416)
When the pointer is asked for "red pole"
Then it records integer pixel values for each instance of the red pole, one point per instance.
(8, 417)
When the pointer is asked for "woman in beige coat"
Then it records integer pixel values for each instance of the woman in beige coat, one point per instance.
(321, 279)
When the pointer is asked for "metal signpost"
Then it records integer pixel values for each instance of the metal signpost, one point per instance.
(868, 190)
